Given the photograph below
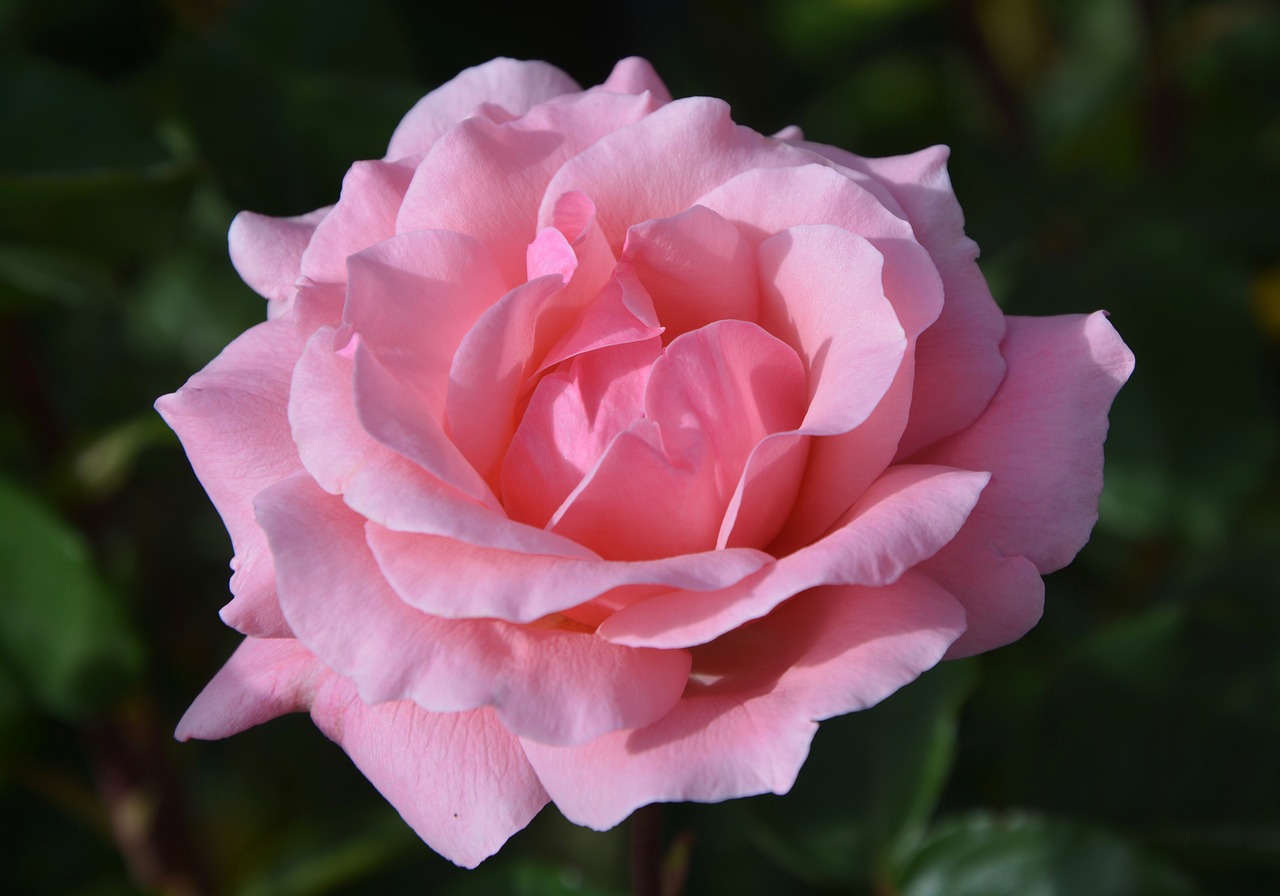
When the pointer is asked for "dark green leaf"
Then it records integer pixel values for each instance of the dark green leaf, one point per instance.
(62, 631)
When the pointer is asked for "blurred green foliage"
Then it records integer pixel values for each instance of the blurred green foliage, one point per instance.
(1122, 154)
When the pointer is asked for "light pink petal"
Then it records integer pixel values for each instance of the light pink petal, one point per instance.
(487, 180)
(413, 297)
(380, 484)
(263, 679)
(365, 214)
(770, 200)
(460, 780)
(745, 722)
(490, 368)
(452, 580)
(958, 365)
(267, 252)
(394, 411)
(696, 267)
(620, 313)
(1041, 437)
(660, 165)
(232, 420)
(572, 417)
(516, 86)
(636, 75)
(551, 685)
(710, 399)
(904, 518)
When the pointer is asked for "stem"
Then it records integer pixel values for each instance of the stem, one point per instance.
(646, 851)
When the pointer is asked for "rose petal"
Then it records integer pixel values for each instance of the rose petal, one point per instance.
(571, 418)
(486, 180)
(267, 251)
(365, 214)
(452, 580)
(1041, 437)
(460, 780)
(546, 684)
(745, 722)
(958, 365)
(263, 679)
(904, 518)
(710, 399)
(696, 267)
(231, 418)
(514, 85)
(636, 75)
(671, 157)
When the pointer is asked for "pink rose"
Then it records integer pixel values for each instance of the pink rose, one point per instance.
(596, 448)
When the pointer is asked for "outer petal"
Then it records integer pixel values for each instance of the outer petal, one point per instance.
(514, 85)
(903, 519)
(744, 724)
(550, 685)
(486, 179)
(263, 679)
(958, 366)
(660, 165)
(267, 252)
(232, 420)
(459, 779)
(452, 580)
(636, 75)
(365, 215)
(1041, 437)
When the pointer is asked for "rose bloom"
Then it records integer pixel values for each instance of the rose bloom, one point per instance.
(596, 447)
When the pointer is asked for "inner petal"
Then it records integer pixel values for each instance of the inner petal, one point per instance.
(572, 417)
(662, 486)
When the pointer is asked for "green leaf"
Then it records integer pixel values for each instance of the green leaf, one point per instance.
(1024, 855)
(62, 631)
(869, 786)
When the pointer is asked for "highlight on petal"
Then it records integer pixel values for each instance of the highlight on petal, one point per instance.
(636, 75)
(364, 214)
(551, 685)
(263, 679)
(1041, 437)
(516, 86)
(233, 423)
(906, 517)
(745, 722)
(267, 252)
(460, 780)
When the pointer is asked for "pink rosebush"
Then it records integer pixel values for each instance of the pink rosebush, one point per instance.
(596, 447)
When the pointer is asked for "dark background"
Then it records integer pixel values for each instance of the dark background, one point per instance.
(1118, 154)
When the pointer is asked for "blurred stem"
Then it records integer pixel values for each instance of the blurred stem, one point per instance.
(646, 851)
(143, 803)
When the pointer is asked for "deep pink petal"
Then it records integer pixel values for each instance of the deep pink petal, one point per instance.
(904, 518)
(514, 85)
(659, 166)
(487, 180)
(1041, 437)
(551, 685)
(231, 418)
(745, 721)
(710, 399)
(571, 418)
(263, 679)
(267, 252)
(696, 267)
(365, 214)
(636, 75)
(460, 780)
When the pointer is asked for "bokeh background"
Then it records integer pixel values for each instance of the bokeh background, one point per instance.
(1118, 154)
